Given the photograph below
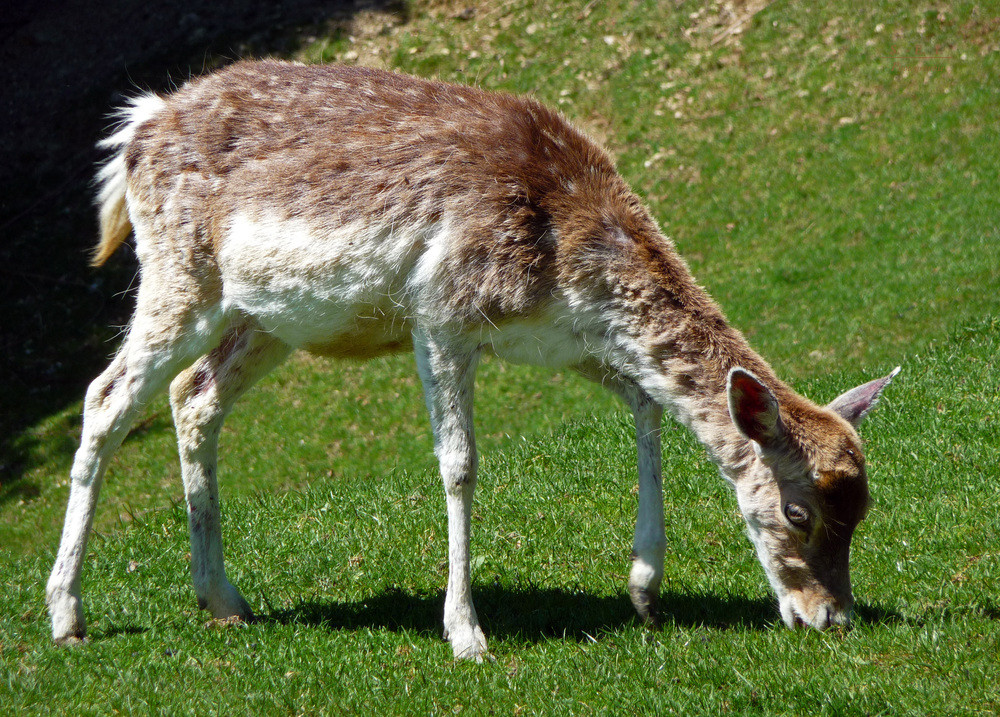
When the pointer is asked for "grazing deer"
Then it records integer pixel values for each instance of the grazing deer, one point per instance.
(353, 212)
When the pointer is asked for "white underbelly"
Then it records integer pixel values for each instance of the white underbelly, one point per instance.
(348, 291)
(545, 340)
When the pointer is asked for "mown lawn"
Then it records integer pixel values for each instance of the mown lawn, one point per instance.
(831, 174)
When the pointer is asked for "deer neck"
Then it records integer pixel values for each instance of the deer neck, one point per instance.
(692, 387)
(683, 351)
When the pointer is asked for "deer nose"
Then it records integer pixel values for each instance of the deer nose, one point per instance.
(829, 615)
(826, 614)
(832, 614)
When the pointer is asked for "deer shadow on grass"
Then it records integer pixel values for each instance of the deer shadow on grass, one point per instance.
(531, 614)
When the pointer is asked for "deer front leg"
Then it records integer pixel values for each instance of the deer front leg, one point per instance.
(447, 372)
(649, 544)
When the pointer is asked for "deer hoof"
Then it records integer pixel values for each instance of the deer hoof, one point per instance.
(646, 603)
(468, 644)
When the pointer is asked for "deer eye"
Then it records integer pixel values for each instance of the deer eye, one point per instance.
(797, 515)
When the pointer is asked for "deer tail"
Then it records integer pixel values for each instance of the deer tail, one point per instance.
(112, 178)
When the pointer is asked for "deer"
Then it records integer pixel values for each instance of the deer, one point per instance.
(352, 212)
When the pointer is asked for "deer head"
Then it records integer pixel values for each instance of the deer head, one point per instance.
(803, 492)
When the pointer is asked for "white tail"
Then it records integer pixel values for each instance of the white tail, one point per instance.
(354, 212)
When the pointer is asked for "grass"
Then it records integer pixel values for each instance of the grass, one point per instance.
(347, 575)
(833, 187)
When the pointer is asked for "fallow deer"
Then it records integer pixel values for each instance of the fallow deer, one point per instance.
(353, 212)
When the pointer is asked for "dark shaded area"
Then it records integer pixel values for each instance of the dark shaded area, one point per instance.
(530, 614)
(525, 614)
(875, 614)
(116, 630)
(67, 65)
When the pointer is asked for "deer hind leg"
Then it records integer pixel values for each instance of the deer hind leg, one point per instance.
(201, 396)
(649, 542)
(165, 335)
(447, 371)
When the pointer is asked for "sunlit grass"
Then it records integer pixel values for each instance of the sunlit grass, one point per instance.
(347, 578)
(839, 201)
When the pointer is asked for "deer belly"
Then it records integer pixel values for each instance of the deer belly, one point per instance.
(342, 292)
(549, 339)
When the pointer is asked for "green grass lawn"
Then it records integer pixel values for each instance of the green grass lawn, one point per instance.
(832, 177)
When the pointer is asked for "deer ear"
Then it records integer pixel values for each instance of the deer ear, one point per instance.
(754, 409)
(855, 404)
